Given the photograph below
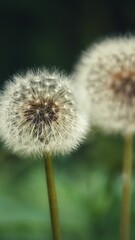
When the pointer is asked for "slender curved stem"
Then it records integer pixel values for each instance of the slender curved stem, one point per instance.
(52, 196)
(126, 195)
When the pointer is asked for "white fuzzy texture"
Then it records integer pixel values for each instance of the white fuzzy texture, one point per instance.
(59, 136)
(94, 72)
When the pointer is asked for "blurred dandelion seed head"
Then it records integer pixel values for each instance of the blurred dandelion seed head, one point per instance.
(107, 72)
(38, 113)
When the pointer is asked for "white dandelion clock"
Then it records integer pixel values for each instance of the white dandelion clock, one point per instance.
(107, 71)
(40, 115)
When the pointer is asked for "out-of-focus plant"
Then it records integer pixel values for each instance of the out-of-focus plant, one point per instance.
(106, 73)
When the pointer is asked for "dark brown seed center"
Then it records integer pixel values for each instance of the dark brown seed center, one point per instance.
(123, 84)
(41, 112)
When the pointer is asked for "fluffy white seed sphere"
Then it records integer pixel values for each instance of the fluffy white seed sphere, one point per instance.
(39, 113)
(107, 72)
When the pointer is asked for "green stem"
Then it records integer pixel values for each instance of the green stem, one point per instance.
(126, 195)
(52, 196)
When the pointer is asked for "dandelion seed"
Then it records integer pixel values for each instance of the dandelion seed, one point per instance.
(107, 72)
(44, 121)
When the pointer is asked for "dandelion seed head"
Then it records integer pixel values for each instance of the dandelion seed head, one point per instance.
(38, 113)
(107, 71)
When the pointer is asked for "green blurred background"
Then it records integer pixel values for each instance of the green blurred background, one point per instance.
(36, 33)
